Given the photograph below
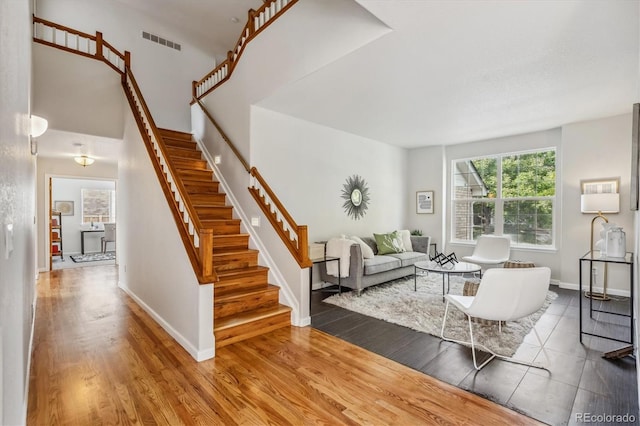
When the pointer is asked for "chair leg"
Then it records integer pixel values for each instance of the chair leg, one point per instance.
(544, 351)
(485, 349)
(473, 344)
(444, 321)
(473, 348)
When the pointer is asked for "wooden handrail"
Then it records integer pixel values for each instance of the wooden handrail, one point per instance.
(119, 63)
(270, 204)
(224, 136)
(199, 247)
(201, 254)
(257, 21)
(275, 211)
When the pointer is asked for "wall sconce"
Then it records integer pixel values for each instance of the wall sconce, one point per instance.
(38, 126)
(83, 160)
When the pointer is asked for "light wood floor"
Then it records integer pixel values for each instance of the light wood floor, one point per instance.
(99, 359)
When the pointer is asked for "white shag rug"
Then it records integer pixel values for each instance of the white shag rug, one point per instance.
(422, 310)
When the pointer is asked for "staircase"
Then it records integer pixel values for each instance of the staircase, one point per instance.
(245, 304)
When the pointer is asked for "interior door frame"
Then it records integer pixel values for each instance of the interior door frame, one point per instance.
(48, 205)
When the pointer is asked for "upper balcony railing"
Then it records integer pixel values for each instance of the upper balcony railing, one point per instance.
(258, 20)
(198, 239)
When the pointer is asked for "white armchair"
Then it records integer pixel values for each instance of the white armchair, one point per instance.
(503, 295)
(490, 250)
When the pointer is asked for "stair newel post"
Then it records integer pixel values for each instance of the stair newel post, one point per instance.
(251, 22)
(206, 251)
(194, 89)
(230, 62)
(127, 66)
(99, 53)
(303, 245)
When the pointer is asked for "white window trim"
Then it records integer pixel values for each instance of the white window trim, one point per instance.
(499, 201)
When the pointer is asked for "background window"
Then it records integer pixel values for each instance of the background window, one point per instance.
(98, 205)
(509, 194)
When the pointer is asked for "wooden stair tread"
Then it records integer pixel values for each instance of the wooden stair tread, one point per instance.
(175, 133)
(247, 270)
(249, 292)
(183, 153)
(236, 251)
(180, 143)
(245, 304)
(225, 323)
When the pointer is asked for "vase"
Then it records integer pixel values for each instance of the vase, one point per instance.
(616, 242)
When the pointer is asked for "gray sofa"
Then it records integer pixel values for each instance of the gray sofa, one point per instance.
(364, 273)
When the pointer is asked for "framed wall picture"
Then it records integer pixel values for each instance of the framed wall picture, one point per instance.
(424, 202)
(64, 207)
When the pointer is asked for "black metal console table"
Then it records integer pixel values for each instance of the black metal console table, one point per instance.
(595, 257)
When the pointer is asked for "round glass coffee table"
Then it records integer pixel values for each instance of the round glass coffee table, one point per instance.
(459, 268)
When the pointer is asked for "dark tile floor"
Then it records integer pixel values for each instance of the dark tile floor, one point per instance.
(580, 382)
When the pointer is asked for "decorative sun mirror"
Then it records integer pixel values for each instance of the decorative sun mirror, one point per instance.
(356, 196)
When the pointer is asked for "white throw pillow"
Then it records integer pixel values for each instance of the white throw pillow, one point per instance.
(367, 252)
(406, 239)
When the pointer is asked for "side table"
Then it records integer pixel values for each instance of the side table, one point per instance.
(317, 261)
(594, 257)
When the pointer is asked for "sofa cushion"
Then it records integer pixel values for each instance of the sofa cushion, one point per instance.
(389, 243)
(408, 258)
(367, 251)
(380, 264)
(405, 234)
(371, 243)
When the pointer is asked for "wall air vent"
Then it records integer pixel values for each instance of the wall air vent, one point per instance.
(160, 40)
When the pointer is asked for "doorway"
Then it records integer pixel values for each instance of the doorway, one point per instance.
(79, 209)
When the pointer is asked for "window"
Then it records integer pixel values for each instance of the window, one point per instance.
(98, 205)
(509, 194)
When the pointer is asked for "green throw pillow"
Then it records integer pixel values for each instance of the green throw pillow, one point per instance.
(389, 243)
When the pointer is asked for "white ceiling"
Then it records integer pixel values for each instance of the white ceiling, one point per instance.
(205, 23)
(457, 71)
(62, 144)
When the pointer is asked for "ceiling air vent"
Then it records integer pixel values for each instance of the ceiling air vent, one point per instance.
(160, 40)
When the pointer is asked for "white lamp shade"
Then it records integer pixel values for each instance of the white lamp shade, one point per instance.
(604, 203)
(39, 125)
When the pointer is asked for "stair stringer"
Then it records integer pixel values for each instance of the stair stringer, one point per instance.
(276, 277)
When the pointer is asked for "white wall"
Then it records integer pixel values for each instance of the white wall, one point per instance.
(307, 165)
(153, 265)
(69, 189)
(17, 208)
(325, 30)
(55, 167)
(164, 74)
(426, 172)
(591, 150)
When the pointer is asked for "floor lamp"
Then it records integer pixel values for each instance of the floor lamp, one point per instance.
(599, 203)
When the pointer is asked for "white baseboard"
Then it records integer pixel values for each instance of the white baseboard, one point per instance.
(597, 289)
(198, 355)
